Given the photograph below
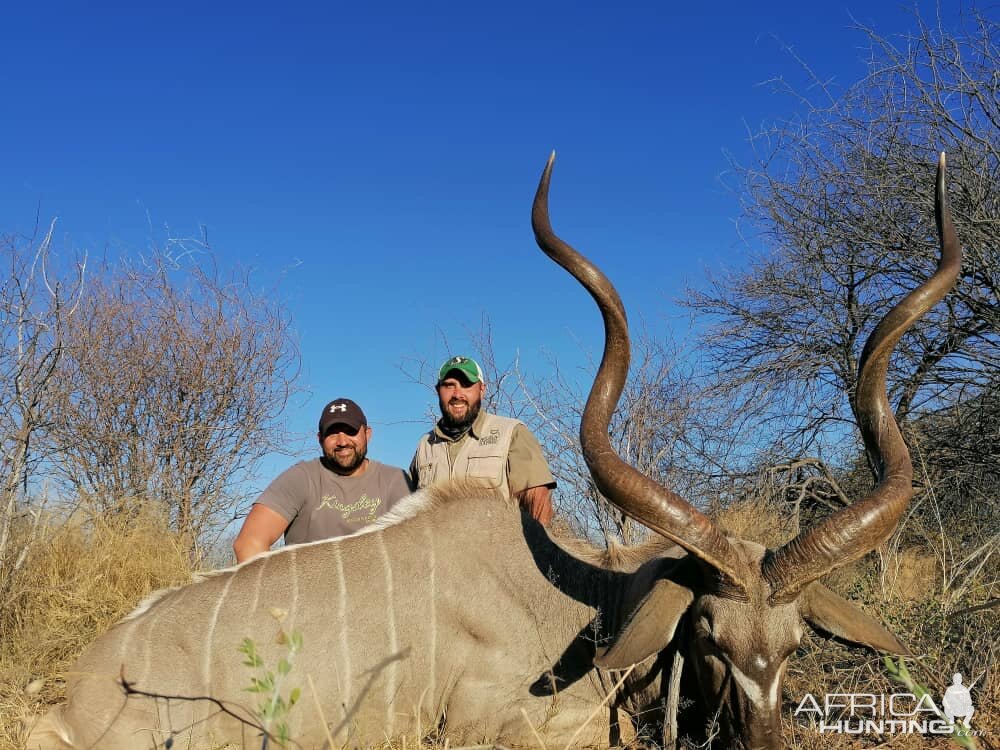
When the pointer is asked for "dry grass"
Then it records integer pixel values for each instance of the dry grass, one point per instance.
(78, 580)
(756, 520)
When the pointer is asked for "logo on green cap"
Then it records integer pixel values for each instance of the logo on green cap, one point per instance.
(467, 366)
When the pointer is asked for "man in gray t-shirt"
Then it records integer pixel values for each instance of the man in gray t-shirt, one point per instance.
(336, 494)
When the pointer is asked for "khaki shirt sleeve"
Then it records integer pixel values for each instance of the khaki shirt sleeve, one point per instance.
(526, 466)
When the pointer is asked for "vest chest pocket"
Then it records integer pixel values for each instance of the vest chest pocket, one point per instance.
(488, 469)
(427, 474)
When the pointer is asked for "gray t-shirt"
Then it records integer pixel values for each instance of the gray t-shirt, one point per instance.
(319, 503)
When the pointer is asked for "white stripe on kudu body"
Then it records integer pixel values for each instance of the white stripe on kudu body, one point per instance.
(206, 668)
(256, 585)
(430, 543)
(344, 670)
(392, 671)
(293, 606)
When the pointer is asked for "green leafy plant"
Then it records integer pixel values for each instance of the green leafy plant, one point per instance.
(274, 708)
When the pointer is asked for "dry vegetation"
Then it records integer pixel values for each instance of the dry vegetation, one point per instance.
(76, 583)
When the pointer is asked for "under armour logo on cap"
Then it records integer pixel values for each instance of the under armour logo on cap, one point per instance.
(341, 411)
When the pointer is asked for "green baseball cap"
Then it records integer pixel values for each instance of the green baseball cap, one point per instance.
(468, 367)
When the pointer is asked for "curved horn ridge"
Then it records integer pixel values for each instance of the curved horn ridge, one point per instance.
(862, 526)
(638, 496)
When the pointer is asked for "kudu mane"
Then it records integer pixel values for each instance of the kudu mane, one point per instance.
(437, 496)
(619, 558)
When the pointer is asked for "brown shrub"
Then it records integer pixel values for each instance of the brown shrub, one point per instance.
(78, 580)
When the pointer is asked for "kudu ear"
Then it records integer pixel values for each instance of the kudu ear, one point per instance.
(832, 614)
(650, 628)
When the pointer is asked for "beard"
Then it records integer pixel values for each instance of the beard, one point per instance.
(456, 425)
(347, 459)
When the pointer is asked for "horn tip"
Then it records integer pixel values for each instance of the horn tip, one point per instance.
(547, 172)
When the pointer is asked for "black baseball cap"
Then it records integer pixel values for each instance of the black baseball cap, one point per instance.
(341, 411)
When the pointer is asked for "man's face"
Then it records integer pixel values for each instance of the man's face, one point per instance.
(459, 403)
(345, 447)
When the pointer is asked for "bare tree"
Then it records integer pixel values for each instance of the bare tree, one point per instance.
(959, 454)
(840, 200)
(655, 427)
(37, 303)
(177, 377)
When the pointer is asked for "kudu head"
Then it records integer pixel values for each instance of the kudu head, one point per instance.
(744, 608)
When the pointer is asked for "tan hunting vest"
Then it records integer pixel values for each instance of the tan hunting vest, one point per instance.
(482, 456)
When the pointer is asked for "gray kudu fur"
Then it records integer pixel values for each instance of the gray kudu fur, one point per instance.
(458, 614)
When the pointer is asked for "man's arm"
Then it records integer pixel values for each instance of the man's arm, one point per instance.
(538, 502)
(261, 528)
(529, 476)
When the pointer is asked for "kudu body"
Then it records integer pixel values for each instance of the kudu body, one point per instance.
(462, 614)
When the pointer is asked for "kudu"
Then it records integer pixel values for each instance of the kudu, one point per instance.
(457, 614)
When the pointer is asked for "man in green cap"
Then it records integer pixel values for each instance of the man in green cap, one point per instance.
(469, 442)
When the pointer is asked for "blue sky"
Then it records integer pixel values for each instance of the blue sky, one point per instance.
(378, 160)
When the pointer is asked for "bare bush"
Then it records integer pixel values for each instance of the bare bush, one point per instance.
(175, 383)
(654, 429)
(38, 300)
